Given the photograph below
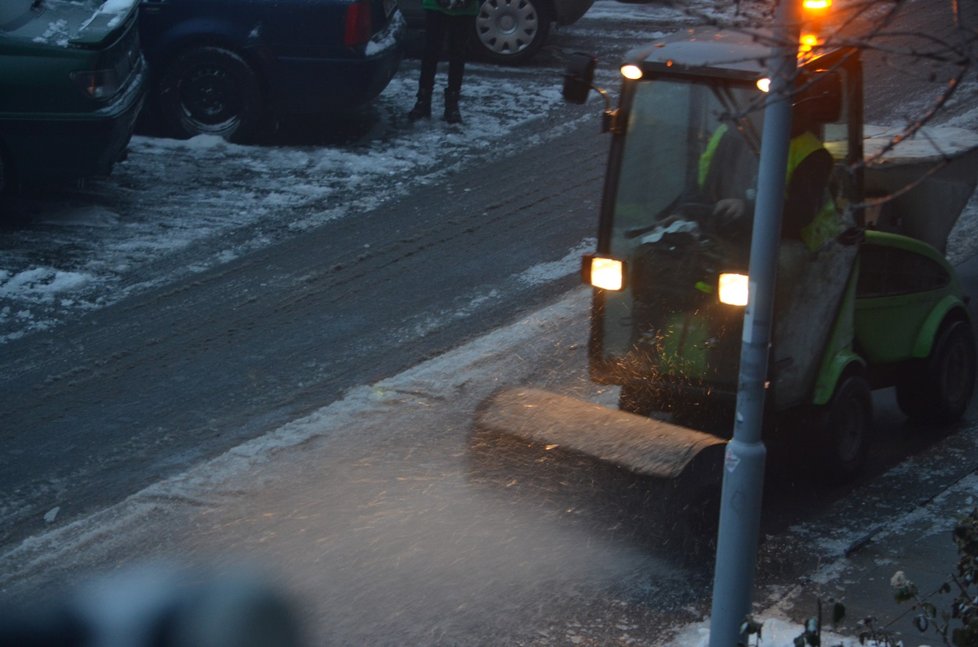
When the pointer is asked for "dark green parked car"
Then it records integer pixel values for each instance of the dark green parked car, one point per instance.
(72, 82)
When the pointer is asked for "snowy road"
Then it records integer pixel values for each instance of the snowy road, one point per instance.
(271, 355)
(251, 285)
(176, 208)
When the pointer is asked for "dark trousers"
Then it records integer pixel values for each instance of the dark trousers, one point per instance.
(438, 27)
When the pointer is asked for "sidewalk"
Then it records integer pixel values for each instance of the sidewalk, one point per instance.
(918, 544)
(857, 572)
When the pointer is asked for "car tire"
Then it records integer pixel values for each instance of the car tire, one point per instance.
(210, 91)
(511, 31)
(938, 389)
(846, 430)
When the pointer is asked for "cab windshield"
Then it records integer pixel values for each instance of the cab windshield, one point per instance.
(687, 147)
(679, 137)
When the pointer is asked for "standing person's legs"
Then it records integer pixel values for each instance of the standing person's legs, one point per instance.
(434, 36)
(459, 28)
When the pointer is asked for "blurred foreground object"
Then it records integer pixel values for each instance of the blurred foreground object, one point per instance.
(158, 606)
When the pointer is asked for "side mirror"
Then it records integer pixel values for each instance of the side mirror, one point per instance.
(579, 77)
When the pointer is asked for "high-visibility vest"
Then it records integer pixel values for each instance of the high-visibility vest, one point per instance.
(825, 225)
(706, 159)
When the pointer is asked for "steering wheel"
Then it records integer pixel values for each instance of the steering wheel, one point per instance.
(698, 212)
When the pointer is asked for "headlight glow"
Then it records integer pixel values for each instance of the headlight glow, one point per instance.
(764, 85)
(632, 72)
(733, 289)
(607, 273)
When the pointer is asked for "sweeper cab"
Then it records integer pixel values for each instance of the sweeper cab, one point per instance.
(865, 296)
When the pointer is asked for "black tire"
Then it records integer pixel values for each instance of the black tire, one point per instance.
(846, 430)
(939, 388)
(210, 91)
(510, 32)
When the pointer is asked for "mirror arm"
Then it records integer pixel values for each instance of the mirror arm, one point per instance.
(609, 118)
(609, 122)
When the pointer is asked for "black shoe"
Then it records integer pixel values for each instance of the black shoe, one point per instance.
(422, 107)
(452, 115)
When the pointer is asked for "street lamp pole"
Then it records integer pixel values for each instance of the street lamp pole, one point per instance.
(743, 476)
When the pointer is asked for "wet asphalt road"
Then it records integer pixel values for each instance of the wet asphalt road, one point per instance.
(409, 543)
(124, 396)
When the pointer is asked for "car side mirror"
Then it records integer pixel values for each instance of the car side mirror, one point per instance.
(579, 77)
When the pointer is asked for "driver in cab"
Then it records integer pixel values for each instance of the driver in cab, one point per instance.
(727, 172)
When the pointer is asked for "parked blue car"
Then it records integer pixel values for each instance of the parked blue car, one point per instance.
(222, 67)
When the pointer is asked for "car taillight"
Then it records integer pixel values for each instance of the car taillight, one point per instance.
(358, 24)
(97, 84)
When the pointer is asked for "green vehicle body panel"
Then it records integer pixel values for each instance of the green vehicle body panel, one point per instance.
(928, 332)
(838, 356)
(887, 330)
(833, 368)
